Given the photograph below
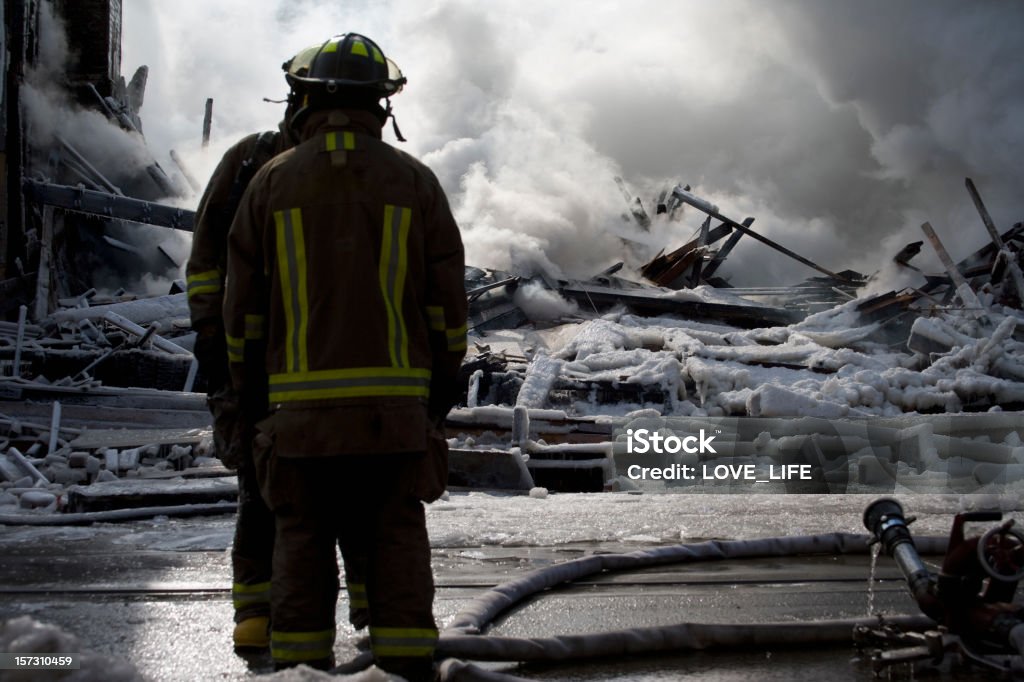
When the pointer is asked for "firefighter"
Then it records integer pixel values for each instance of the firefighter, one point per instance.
(252, 549)
(345, 260)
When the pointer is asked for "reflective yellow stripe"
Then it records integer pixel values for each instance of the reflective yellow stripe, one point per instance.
(253, 327)
(291, 262)
(435, 316)
(331, 47)
(360, 382)
(209, 282)
(456, 338)
(377, 56)
(359, 47)
(301, 646)
(236, 348)
(348, 141)
(392, 269)
(357, 595)
(403, 641)
(247, 595)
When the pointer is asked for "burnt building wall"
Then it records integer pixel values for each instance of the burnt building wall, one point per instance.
(11, 56)
(94, 35)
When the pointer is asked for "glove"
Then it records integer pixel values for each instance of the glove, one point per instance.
(227, 420)
(211, 351)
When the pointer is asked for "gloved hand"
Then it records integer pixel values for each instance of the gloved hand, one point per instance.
(211, 353)
(226, 422)
(432, 478)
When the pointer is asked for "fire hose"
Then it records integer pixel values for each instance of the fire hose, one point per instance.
(462, 638)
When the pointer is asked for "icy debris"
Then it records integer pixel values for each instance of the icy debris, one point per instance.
(772, 400)
(538, 493)
(142, 311)
(26, 635)
(41, 482)
(540, 378)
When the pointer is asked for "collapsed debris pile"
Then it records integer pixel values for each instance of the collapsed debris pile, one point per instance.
(102, 384)
(952, 345)
(555, 369)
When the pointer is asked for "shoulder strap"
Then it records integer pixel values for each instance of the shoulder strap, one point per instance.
(262, 151)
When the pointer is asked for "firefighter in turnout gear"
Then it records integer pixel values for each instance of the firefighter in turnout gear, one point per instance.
(252, 549)
(345, 302)
(233, 422)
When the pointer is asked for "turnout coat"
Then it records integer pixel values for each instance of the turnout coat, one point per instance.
(345, 298)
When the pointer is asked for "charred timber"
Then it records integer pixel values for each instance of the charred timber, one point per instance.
(747, 317)
(712, 211)
(107, 205)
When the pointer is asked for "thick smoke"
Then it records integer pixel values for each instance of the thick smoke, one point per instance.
(52, 113)
(840, 127)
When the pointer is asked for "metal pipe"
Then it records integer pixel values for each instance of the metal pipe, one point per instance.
(885, 521)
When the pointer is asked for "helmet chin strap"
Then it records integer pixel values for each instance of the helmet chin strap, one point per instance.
(302, 110)
(394, 121)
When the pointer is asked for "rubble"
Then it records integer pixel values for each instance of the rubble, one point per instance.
(101, 405)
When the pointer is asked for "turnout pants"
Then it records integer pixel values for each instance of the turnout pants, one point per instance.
(253, 546)
(365, 504)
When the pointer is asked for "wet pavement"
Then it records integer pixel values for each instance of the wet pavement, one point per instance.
(156, 594)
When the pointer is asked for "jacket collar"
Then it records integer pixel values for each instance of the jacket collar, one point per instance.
(357, 120)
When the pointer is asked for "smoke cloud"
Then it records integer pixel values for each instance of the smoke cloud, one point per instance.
(51, 114)
(839, 127)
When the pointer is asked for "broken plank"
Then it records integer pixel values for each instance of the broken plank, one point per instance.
(723, 253)
(963, 289)
(713, 212)
(96, 439)
(131, 493)
(658, 269)
(985, 217)
(657, 303)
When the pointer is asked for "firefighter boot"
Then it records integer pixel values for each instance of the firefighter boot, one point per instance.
(252, 633)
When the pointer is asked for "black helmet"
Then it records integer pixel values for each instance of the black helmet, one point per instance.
(347, 61)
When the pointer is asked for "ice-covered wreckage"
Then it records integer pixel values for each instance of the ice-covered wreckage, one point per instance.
(102, 412)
